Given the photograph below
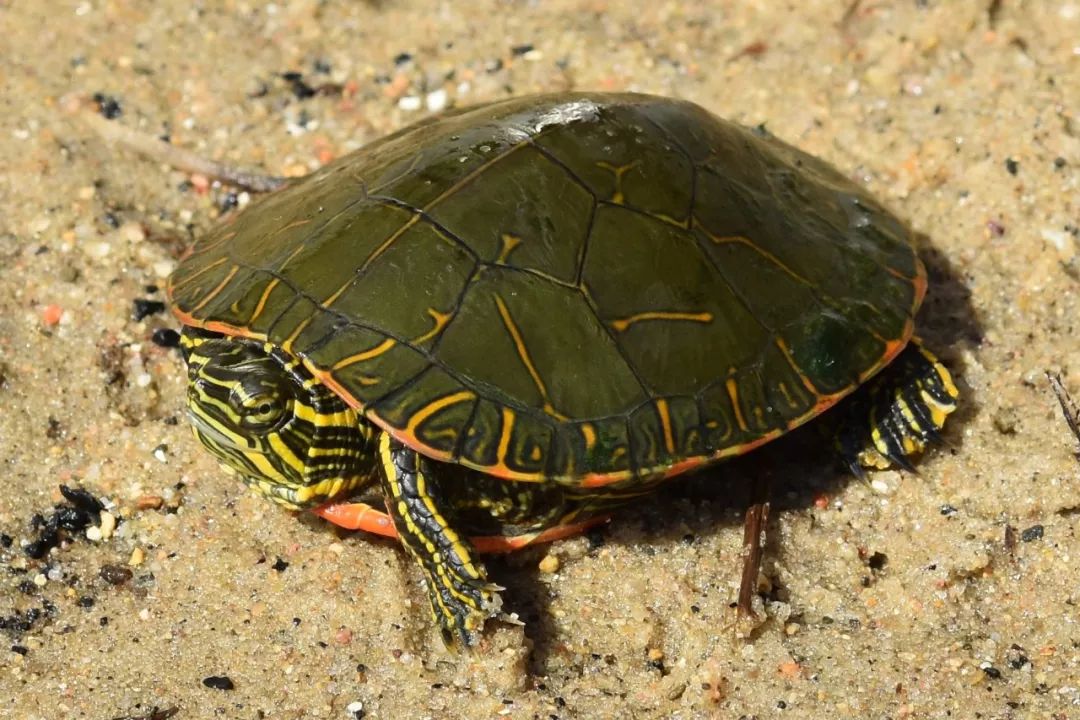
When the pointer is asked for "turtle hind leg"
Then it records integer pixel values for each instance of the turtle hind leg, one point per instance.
(897, 413)
(460, 594)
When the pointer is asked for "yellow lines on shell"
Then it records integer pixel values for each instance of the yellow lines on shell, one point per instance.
(588, 433)
(285, 228)
(440, 319)
(481, 169)
(617, 196)
(622, 324)
(504, 437)
(261, 305)
(523, 354)
(435, 406)
(509, 243)
(220, 286)
(363, 356)
(204, 247)
(287, 343)
(733, 393)
(389, 241)
(786, 351)
(665, 423)
(742, 240)
(291, 256)
(174, 286)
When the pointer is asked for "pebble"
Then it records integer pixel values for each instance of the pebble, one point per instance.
(149, 502)
(108, 525)
(133, 232)
(410, 103)
(436, 100)
(549, 564)
(138, 556)
(51, 314)
(98, 250)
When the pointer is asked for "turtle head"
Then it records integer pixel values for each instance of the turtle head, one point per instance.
(266, 417)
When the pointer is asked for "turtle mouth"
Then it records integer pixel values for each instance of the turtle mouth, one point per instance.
(206, 431)
(283, 495)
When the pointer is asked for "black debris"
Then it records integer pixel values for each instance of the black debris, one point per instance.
(279, 565)
(230, 201)
(115, 574)
(1017, 657)
(1012, 166)
(402, 58)
(218, 682)
(519, 50)
(82, 511)
(299, 88)
(108, 106)
(142, 308)
(54, 430)
(165, 337)
(1035, 532)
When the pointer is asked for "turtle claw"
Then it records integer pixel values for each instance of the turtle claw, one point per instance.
(461, 606)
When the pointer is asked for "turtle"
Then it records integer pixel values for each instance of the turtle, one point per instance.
(509, 319)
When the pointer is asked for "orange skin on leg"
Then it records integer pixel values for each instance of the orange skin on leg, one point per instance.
(361, 516)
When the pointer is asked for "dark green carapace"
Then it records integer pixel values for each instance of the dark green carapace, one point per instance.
(576, 293)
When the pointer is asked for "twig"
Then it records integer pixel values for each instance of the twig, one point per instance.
(181, 159)
(1068, 408)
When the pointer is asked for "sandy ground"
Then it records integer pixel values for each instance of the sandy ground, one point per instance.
(952, 594)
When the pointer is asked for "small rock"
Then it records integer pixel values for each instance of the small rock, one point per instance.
(549, 565)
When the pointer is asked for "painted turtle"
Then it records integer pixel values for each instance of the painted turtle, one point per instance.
(509, 318)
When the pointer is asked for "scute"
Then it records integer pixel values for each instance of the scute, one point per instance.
(586, 288)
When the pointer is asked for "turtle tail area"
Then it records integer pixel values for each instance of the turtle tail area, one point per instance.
(897, 413)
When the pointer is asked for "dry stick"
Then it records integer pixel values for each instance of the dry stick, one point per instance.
(181, 159)
(1068, 407)
(757, 517)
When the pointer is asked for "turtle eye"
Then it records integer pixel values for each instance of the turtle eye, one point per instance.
(263, 411)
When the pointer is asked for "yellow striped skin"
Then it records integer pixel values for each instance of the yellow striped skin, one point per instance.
(265, 417)
(897, 414)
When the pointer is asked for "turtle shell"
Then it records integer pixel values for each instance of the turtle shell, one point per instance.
(584, 288)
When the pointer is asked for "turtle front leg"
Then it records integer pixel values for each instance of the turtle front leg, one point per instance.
(461, 596)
